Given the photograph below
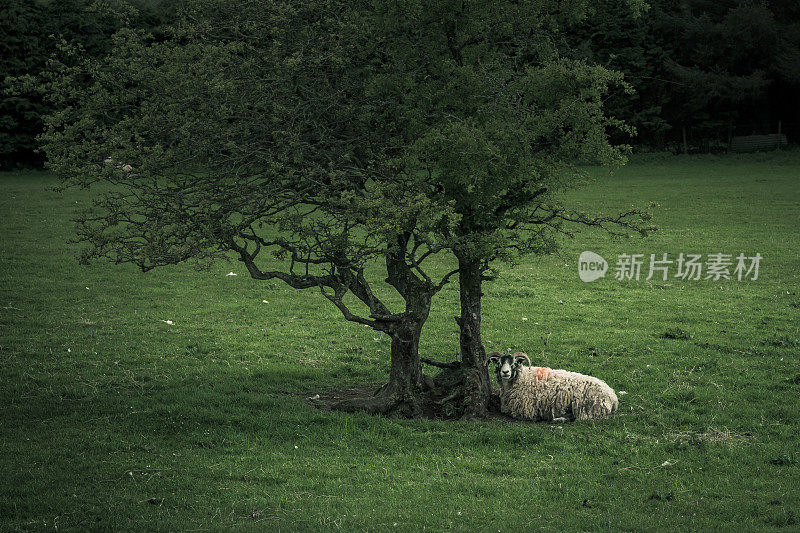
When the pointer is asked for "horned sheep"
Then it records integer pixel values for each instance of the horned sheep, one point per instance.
(544, 394)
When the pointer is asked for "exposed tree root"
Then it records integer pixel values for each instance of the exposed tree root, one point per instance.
(454, 364)
(456, 393)
(388, 401)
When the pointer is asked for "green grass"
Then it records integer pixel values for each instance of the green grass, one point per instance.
(113, 419)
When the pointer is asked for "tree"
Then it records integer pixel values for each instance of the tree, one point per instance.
(493, 119)
(334, 134)
(22, 49)
(697, 65)
(722, 64)
(30, 33)
(621, 37)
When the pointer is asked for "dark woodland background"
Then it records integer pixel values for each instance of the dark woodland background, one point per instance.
(702, 71)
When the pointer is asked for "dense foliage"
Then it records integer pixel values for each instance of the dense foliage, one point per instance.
(700, 68)
(31, 33)
(709, 69)
(331, 134)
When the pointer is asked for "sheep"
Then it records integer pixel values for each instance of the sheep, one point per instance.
(544, 394)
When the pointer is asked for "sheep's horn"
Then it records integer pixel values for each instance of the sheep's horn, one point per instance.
(525, 356)
(493, 355)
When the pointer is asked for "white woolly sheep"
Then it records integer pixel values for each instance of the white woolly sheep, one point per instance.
(541, 393)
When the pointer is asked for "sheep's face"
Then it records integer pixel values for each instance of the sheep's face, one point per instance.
(506, 366)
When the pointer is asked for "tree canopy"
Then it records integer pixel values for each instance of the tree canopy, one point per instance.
(335, 133)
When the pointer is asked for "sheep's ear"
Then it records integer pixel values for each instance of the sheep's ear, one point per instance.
(493, 361)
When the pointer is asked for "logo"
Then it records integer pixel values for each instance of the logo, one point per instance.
(633, 267)
(591, 266)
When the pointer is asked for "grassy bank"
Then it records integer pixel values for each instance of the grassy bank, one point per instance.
(114, 419)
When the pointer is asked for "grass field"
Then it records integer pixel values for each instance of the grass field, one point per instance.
(114, 419)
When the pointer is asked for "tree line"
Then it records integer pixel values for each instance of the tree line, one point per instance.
(700, 70)
(34, 32)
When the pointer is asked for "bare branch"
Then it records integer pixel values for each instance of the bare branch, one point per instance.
(337, 299)
(446, 279)
(363, 292)
(632, 220)
(424, 274)
(382, 319)
(293, 280)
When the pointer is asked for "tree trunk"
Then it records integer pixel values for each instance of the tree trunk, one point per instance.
(406, 368)
(402, 395)
(461, 390)
(685, 144)
(464, 391)
(472, 352)
(473, 355)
